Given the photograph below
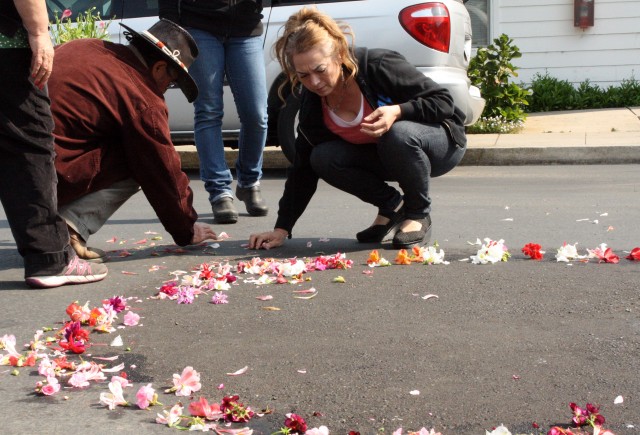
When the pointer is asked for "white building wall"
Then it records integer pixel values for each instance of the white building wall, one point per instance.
(543, 30)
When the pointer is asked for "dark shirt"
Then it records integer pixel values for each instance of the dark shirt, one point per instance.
(111, 123)
(218, 17)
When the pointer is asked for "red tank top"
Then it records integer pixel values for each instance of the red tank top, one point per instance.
(348, 130)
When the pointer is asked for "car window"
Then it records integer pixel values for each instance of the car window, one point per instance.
(140, 8)
(106, 8)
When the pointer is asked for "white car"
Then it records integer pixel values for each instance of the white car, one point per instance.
(434, 36)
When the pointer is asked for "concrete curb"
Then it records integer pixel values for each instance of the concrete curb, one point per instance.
(475, 156)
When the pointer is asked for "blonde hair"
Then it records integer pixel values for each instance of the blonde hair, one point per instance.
(309, 28)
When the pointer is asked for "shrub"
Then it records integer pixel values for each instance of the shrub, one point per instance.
(87, 25)
(551, 94)
(491, 70)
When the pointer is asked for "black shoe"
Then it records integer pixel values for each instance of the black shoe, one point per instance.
(252, 199)
(224, 211)
(404, 240)
(377, 233)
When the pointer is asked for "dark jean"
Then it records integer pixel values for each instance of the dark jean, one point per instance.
(27, 174)
(409, 153)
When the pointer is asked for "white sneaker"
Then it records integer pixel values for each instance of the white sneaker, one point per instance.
(78, 271)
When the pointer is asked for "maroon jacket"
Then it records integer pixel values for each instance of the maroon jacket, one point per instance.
(112, 123)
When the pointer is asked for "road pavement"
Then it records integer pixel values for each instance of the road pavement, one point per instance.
(513, 342)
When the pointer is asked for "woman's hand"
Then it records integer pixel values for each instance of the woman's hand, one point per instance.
(268, 239)
(42, 58)
(380, 120)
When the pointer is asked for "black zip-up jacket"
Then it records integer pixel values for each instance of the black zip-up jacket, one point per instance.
(385, 77)
(219, 17)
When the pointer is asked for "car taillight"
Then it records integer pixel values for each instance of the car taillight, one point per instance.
(429, 24)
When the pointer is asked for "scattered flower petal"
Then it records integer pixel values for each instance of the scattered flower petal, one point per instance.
(117, 342)
(242, 371)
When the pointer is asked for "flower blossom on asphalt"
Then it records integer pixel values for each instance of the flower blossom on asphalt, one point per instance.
(423, 431)
(568, 253)
(491, 251)
(172, 417)
(115, 397)
(186, 383)
(295, 423)
(146, 396)
(322, 430)
(500, 430)
(219, 298)
(85, 373)
(375, 260)
(50, 388)
(634, 255)
(603, 254)
(429, 255)
(533, 251)
(131, 319)
(202, 408)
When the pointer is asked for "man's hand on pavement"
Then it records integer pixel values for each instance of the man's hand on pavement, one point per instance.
(202, 232)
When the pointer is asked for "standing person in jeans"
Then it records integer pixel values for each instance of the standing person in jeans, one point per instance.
(367, 116)
(27, 174)
(228, 34)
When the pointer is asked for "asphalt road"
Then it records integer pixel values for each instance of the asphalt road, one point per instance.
(511, 343)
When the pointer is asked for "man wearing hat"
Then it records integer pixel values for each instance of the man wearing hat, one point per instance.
(112, 132)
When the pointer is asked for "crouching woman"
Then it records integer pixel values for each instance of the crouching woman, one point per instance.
(367, 117)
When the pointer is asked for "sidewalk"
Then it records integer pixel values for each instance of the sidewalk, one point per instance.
(603, 136)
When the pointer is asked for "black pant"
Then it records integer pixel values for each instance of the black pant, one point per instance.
(27, 173)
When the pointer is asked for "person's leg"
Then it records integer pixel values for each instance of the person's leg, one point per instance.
(28, 180)
(356, 169)
(87, 214)
(413, 153)
(245, 71)
(27, 174)
(208, 72)
(247, 78)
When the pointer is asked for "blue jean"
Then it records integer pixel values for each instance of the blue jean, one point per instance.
(409, 153)
(242, 60)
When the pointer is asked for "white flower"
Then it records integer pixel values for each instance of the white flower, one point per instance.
(500, 430)
(491, 252)
(292, 268)
(432, 256)
(568, 253)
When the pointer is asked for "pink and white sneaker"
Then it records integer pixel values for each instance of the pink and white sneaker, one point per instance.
(78, 271)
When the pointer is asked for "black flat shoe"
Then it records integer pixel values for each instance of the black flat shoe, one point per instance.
(377, 233)
(224, 212)
(403, 240)
(252, 198)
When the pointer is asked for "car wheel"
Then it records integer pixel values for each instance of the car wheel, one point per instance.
(288, 126)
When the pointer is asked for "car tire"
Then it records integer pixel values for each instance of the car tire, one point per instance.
(288, 126)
